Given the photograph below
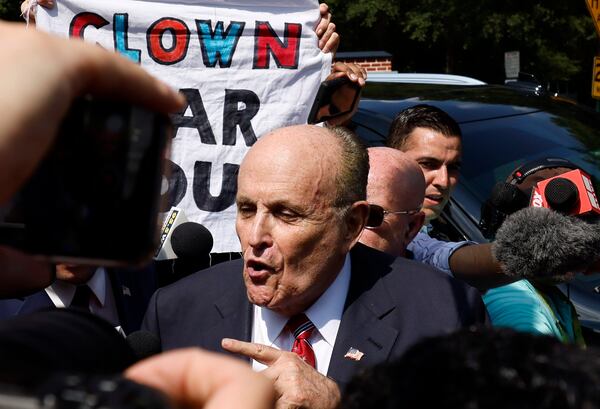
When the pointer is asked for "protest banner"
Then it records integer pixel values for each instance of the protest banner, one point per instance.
(246, 67)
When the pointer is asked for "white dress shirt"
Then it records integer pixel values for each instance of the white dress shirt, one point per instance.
(101, 304)
(325, 314)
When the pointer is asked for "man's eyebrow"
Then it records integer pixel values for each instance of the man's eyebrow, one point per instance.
(242, 200)
(428, 159)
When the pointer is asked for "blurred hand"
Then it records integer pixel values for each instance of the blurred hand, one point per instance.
(356, 74)
(193, 378)
(40, 76)
(329, 40)
(297, 384)
(28, 9)
(22, 274)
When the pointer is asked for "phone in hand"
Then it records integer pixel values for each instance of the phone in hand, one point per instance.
(334, 98)
(94, 199)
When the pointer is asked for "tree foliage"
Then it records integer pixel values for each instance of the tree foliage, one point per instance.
(556, 38)
(10, 10)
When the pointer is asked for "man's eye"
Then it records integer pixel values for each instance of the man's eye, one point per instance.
(428, 165)
(286, 214)
(246, 210)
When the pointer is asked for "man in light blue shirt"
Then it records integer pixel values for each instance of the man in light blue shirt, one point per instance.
(431, 138)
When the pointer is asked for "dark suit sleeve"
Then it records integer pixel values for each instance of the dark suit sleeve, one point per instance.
(150, 322)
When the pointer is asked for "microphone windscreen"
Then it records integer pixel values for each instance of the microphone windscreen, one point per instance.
(191, 241)
(144, 344)
(538, 242)
(508, 198)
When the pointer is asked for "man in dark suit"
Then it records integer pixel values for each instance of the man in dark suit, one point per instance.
(301, 209)
(120, 296)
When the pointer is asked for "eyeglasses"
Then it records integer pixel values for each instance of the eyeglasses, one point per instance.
(377, 214)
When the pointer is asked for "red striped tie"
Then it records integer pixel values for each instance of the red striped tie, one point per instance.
(302, 328)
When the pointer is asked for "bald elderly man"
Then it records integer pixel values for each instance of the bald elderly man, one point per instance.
(395, 191)
(304, 283)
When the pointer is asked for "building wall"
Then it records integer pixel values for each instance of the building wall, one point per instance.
(370, 64)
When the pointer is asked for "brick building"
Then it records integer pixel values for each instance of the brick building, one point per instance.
(370, 60)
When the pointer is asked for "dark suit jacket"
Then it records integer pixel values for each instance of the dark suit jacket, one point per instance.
(131, 288)
(391, 304)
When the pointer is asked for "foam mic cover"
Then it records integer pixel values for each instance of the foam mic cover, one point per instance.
(561, 194)
(191, 240)
(508, 197)
(144, 344)
(539, 242)
(191, 243)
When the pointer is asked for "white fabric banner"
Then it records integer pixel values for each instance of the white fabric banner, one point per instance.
(246, 67)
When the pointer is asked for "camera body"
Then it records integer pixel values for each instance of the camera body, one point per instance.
(95, 197)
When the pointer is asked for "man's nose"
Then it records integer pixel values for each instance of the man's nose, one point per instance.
(260, 233)
(441, 178)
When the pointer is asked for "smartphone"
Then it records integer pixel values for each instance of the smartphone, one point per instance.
(94, 199)
(334, 98)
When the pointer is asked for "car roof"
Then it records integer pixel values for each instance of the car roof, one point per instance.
(463, 103)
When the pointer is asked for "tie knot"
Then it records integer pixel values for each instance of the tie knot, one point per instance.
(82, 297)
(300, 326)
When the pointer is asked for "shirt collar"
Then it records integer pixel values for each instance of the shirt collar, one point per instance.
(62, 293)
(325, 313)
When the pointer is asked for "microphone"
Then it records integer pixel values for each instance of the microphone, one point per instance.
(570, 193)
(192, 244)
(538, 242)
(143, 344)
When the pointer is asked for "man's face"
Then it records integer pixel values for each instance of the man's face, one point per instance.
(439, 157)
(293, 240)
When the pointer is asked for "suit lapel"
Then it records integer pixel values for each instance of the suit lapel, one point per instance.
(234, 316)
(361, 326)
(35, 302)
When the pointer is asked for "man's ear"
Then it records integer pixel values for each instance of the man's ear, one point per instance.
(356, 219)
(414, 226)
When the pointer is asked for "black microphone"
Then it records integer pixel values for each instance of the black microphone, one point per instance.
(192, 244)
(144, 344)
(538, 242)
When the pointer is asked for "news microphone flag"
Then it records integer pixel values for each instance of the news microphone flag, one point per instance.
(174, 218)
(587, 200)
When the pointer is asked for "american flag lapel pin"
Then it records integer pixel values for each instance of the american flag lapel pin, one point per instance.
(126, 290)
(354, 354)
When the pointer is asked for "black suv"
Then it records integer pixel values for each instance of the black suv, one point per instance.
(502, 127)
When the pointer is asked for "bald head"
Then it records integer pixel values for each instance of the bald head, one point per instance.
(395, 183)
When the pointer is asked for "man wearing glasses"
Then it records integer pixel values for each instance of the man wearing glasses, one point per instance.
(395, 193)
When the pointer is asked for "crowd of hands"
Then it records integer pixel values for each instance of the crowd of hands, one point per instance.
(39, 78)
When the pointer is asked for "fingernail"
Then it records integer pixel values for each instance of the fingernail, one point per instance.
(361, 82)
(319, 31)
(325, 50)
(353, 77)
(225, 342)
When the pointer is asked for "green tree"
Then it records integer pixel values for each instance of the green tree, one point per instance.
(10, 10)
(556, 38)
